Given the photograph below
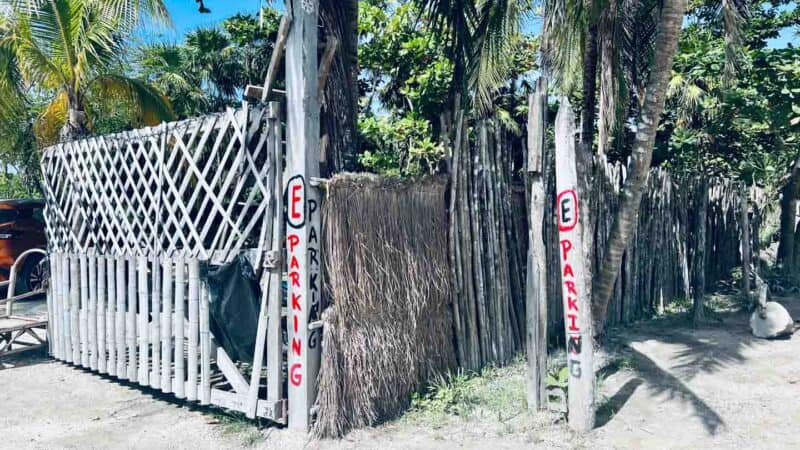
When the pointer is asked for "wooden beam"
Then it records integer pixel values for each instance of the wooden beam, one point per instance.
(303, 221)
(325, 66)
(277, 53)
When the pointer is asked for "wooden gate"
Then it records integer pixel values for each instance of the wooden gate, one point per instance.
(132, 219)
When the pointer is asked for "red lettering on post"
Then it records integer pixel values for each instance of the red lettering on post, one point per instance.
(294, 264)
(568, 270)
(295, 374)
(296, 346)
(296, 323)
(572, 303)
(572, 325)
(566, 246)
(293, 240)
(296, 302)
(296, 200)
(294, 276)
(571, 287)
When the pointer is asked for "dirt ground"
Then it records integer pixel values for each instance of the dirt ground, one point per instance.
(673, 387)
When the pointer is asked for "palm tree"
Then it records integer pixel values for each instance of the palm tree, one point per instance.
(666, 44)
(164, 66)
(340, 98)
(65, 50)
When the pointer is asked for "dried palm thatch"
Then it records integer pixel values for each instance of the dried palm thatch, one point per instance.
(389, 326)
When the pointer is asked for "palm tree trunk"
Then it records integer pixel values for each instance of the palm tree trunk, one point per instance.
(339, 114)
(786, 245)
(75, 126)
(641, 157)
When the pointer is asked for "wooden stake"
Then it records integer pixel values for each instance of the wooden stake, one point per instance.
(745, 247)
(536, 286)
(577, 308)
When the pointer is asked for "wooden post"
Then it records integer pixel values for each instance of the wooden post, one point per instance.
(699, 260)
(302, 240)
(536, 285)
(746, 251)
(577, 307)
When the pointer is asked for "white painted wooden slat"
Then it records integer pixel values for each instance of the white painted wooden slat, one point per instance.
(194, 324)
(121, 317)
(155, 325)
(111, 315)
(74, 308)
(102, 360)
(179, 383)
(130, 324)
(205, 347)
(84, 309)
(143, 327)
(166, 326)
(93, 312)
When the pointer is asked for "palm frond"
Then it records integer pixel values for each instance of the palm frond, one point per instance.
(151, 106)
(51, 120)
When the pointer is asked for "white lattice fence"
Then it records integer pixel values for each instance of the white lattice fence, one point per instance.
(132, 217)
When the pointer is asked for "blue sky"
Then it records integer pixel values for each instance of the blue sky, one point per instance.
(186, 18)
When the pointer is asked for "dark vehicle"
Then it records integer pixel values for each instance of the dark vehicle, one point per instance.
(21, 229)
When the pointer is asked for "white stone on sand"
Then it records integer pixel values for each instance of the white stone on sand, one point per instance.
(771, 321)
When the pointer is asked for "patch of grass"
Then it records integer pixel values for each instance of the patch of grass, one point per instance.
(678, 306)
(494, 392)
(237, 424)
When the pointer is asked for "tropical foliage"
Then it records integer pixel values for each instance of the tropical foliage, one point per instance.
(208, 70)
(63, 53)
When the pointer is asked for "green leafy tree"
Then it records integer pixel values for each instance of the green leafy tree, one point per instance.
(66, 51)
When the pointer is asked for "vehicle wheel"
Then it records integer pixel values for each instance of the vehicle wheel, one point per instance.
(32, 275)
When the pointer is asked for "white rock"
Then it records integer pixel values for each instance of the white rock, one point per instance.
(775, 321)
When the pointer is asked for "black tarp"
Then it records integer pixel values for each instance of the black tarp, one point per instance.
(235, 295)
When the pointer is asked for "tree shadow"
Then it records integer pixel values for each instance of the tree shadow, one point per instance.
(661, 382)
(611, 406)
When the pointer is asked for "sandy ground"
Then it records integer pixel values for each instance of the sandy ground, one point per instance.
(716, 387)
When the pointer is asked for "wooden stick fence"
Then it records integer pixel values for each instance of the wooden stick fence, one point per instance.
(133, 219)
(658, 265)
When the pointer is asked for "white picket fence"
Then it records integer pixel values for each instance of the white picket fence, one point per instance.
(131, 220)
